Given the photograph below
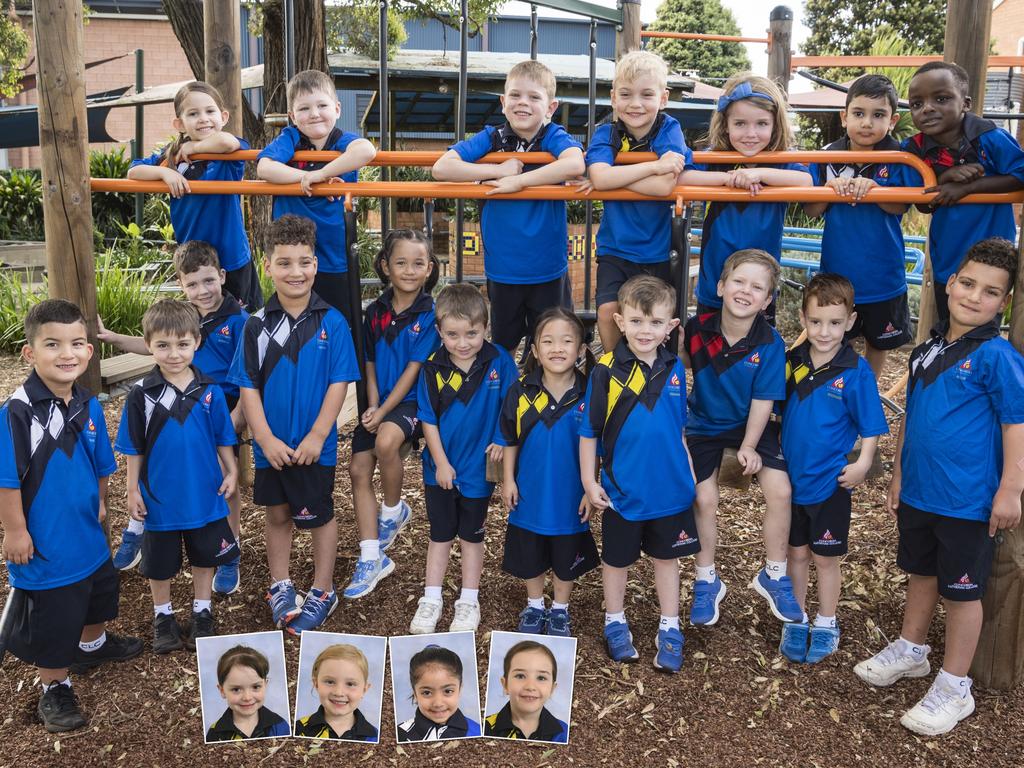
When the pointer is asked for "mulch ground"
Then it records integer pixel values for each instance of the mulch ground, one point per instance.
(735, 703)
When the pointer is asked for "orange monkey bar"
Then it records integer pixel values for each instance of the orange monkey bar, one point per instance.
(702, 36)
(890, 61)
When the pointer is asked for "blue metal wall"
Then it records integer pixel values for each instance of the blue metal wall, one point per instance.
(512, 34)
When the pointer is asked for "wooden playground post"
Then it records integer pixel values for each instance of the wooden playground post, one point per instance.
(627, 37)
(63, 139)
(221, 42)
(780, 26)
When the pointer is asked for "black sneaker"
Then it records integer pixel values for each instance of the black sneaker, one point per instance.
(116, 648)
(166, 634)
(202, 626)
(58, 710)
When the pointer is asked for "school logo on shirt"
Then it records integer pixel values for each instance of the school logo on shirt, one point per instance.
(754, 360)
(492, 379)
(90, 432)
(835, 388)
(674, 386)
(828, 540)
(225, 331)
(415, 328)
(883, 172)
(963, 583)
(684, 539)
(321, 339)
(964, 370)
(207, 399)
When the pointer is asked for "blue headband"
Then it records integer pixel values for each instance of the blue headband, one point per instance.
(741, 91)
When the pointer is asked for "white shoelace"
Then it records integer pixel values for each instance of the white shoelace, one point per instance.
(938, 697)
(463, 611)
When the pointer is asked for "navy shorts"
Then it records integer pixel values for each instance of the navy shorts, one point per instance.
(824, 527)
(244, 284)
(663, 538)
(613, 272)
(529, 554)
(706, 450)
(307, 489)
(453, 515)
(515, 308)
(403, 416)
(46, 626)
(333, 287)
(883, 324)
(207, 547)
(957, 552)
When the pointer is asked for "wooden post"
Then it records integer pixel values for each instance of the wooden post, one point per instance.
(222, 40)
(63, 138)
(628, 37)
(779, 53)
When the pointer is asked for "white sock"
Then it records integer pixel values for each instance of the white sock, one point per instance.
(369, 549)
(559, 606)
(66, 681)
(825, 621)
(535, 602)
(282, 583)
(611, 618)
(961, 684)
(706, 573)
(775, 569)
(432, 593)
(136, 526)
(470, 595)
(201, 605)
(668, 622)
(163, 608)
(390, 513)
(908, 648)
(94, 645)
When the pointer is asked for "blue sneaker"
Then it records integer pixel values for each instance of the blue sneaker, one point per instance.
(793, 644)
(532, 621)
(824, 642)
(315, 610)
(129, 553)
(559, 624)
(284, 604)
(368, 573)
(707, 596)
(387, 530)
(670, 650)
(779, 595)
(227, 580)
(618, 641)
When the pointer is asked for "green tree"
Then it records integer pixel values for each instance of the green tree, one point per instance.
(13, 53)
(709, 59)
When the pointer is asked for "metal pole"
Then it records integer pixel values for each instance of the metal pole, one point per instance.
(460, 129)
(428, 221)
(289, 39)
(385, 113)
(140, 125)
(533, 32)
(355, 306)
(588, 247)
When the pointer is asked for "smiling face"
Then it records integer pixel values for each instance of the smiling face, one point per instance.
(826, 325)
(977, 294)
(530, 682)
(315, 113)
(749, 127)
(200, 116)
(203, 288)
(462, 338)
(59, 352)
(867, 121)
(171, 352)
(646, 332)
(436, 692)
(937, 104)
(526, 105)
(341, 686)
(637, 103)
(557, 346)
(244, 691)
(292, 268)
(408, 266)
(746, 290)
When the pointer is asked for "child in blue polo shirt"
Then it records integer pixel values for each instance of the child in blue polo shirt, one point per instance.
(956, 482)
(400, 334)
(221, 320)
(215, 219)
(831, 398)
(969, 155)
(526, 242)
(293, 369)
(635, 408)
(863, 241)
(313, 109)
(459, 396)
(540, 429)
(174, 428)
(55, 458)
(739, 370)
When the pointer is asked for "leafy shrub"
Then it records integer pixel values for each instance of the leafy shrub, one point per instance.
(123, 294)
(110, 210)
(17, 297)
(21, 205)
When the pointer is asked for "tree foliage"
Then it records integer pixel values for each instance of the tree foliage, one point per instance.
(13, 53)
(356, 26)
(709, 59)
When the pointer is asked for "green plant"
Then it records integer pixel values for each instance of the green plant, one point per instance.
(123, 294)
(21, 205)
(17, 297)
(110, 210)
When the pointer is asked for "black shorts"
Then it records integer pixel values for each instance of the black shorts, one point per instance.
(209, 546)
(957, 552)
(244, 284)
(706, 450)
(663, 538)
(46, 626)
(769, 311)
(232, 401)
(941, 301)
(613, 272)
(515, 308)
(529, 554)
(453, 515)
(824, 527)
(403, 416)
(308, 490)
(883, 324)
(333, 288)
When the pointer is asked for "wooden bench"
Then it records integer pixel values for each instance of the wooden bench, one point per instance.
(121, 370)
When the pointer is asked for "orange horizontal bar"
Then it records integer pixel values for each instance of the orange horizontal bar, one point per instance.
(890, 61)
(702, 36)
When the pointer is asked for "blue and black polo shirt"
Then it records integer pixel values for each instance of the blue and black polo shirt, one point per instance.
(729, 227)
(177, 434)
(640, 231)
(638, 412)
(862, 242)
(220, 333)
(395, 339)
(959, 395)
(328, 216)
(56, 453)
(547, 432)
(825, 409)
(525, 241)
(549, 727)
(268, 723)
(727, 377)
(315, 726)
(215, 219)
(955, 228)
(292, 361)
(464, 406)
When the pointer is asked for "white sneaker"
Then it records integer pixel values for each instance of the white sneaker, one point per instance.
(939, 711)
(467, 617)
(427, 613)
(890, 664)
